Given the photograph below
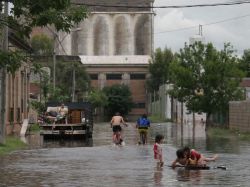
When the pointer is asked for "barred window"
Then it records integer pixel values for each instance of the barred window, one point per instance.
(114, 76)
(93, 76)
(138, 76)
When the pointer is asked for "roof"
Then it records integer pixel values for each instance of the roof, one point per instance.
(245, 82)
(116, 60)
(123, 5)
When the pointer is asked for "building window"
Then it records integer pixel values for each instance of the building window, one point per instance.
(11, 115)
(18, 115)
(93, 76)
(114, 76)
(139, 105)
(137, 76)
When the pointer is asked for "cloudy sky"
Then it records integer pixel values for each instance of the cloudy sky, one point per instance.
(169, 22)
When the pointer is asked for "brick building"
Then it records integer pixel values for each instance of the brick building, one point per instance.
(115, 44)
(17, 88)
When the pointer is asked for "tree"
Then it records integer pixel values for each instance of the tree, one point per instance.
(42, 45)
(159, 69)
(97, 98)
(244, 64)
(26, 14)
(206, 79)
(119, 99)
(65, 78)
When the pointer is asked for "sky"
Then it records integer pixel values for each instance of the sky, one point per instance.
(169, 22)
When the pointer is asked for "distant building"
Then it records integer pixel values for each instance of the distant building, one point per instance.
(115, 44)
(196, 38)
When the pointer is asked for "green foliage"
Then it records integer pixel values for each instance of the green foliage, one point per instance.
(119, 99)
(26, 14)
(97, 98)
(34, 127)
(11, 60)
(42, 45)
(159, 69)
(58, 95)
(43, 80)
(206, 79)
(225, 132)
(244, 64)
(38, 106)
(64, 78)
(158, 119)
(12, 144)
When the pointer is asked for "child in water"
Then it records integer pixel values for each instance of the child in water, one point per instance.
(187, 157)
(180, 160)
(195, 158)
(158, 150)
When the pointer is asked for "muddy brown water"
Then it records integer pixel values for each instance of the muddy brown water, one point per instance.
(99, 163)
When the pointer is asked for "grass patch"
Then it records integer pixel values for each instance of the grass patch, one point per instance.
(218, 132)
(244, 136)
(157, 119)
(11, 144)
(224, 132)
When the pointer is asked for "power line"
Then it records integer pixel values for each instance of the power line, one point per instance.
(165, 7)
(207, 24)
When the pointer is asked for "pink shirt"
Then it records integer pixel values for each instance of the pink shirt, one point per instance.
(157, 151)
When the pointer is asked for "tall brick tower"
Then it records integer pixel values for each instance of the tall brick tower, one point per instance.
(115, 45)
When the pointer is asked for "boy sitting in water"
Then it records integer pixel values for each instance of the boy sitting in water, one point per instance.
(195, 158)
(187, 157)
(180, 160)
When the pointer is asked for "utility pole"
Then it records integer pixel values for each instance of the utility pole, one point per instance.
(54, 62)
(74, 84)
(3, 79)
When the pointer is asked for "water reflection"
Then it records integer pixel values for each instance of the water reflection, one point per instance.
(158, 176)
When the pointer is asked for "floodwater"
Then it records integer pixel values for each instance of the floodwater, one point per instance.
(99, 163)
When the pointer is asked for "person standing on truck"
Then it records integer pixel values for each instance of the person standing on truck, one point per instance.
(115, 123)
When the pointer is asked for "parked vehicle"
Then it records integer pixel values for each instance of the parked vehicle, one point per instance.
(78, 122)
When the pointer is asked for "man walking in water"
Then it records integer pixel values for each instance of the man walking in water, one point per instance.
(116, 122)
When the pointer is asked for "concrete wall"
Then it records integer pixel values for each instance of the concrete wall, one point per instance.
(239, 115)
(110, 33)
(162, 105)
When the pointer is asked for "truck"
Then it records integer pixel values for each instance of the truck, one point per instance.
(77, 123)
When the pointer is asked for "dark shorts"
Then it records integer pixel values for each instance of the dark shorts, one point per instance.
(143, 130)
(117, 128)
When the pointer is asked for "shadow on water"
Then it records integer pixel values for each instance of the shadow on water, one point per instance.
(35, 141)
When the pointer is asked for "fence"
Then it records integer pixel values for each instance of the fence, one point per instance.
(239, 115)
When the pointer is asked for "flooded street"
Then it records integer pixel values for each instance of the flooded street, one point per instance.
(99, 163)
